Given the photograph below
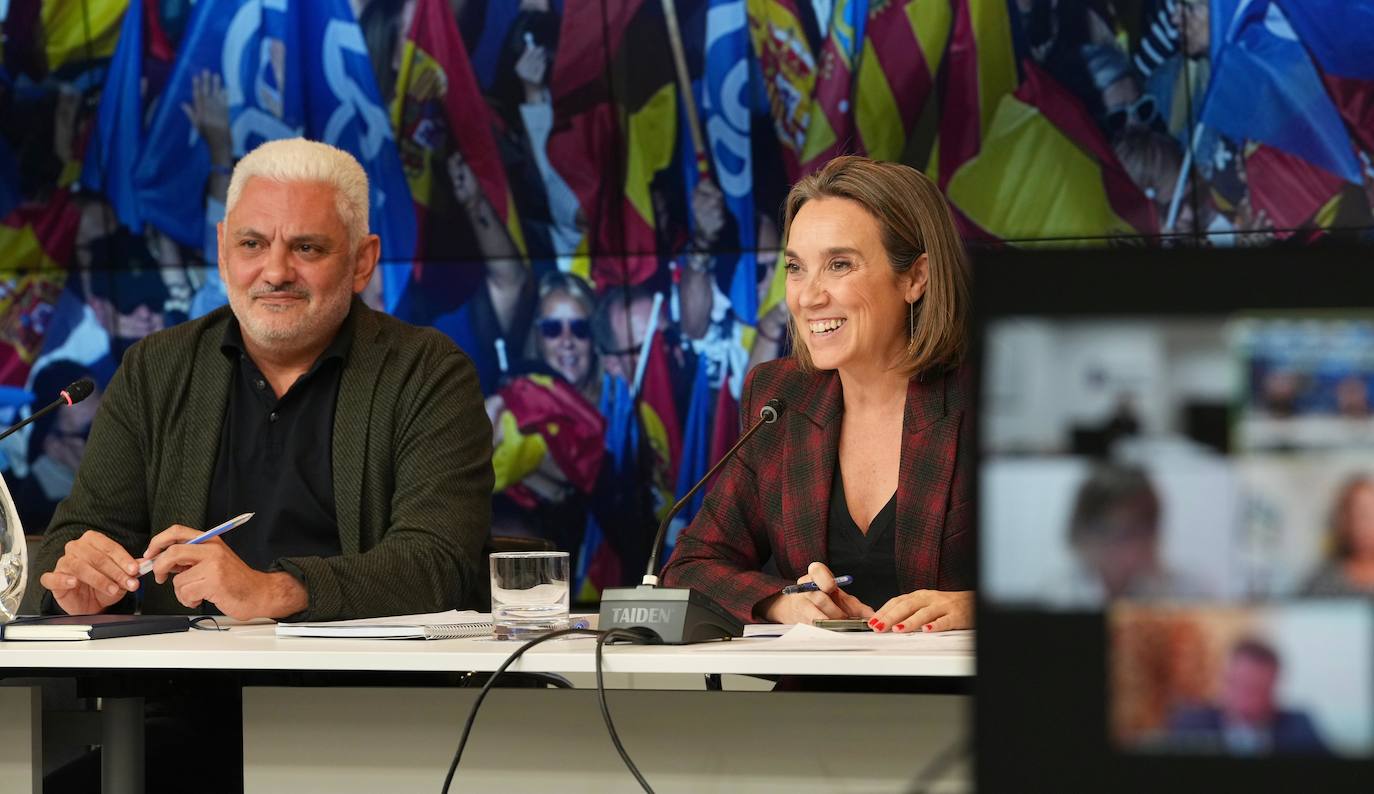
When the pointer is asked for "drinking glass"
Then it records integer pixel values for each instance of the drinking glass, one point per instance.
(529, 593)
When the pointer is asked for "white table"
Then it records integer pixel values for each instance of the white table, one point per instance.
(401, 739)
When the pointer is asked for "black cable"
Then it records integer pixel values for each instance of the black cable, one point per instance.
(637, 639)
(215, 626)
(472, 715)
(937, 766)
(602, 637)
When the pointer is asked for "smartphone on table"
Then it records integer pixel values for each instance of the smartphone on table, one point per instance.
(842, 624)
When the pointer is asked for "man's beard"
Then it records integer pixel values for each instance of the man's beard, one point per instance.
(329, 311)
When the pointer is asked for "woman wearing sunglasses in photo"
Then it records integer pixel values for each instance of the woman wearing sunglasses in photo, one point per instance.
(1123, 105)
(549, 439)
(561, 338)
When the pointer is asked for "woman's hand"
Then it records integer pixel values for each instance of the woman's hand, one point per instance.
(531, 68)
(828, 602)
(926, 610)
(208, 112)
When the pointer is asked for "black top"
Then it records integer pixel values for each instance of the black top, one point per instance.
(870, 558)
(275, 458)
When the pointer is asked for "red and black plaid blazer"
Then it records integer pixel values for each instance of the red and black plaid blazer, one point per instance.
(773, 499)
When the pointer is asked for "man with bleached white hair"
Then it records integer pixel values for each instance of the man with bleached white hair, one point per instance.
(358, 442)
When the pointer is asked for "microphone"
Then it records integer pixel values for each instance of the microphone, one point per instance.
(678, 615)
(71, 395)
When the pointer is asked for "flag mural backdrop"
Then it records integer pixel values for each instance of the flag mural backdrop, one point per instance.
(435, 88)
(542, 198)
(287, 69)
(725, 97)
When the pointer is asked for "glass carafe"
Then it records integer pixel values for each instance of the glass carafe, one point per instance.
(14, 557)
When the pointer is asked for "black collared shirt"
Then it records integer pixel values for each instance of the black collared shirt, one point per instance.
(871, 558)
(275, 457)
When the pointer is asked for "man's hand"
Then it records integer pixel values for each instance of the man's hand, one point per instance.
(926, 610)
(93, 573)
(828, 602)
(211, 571)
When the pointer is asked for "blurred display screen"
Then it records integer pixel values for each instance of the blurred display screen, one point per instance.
(1206, 483)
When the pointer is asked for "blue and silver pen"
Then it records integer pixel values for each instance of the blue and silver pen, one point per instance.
(811, 587)
(239, 520)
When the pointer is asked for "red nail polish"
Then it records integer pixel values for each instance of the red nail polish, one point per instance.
(879, 626)
(900, 627)
(872, 621)
(929, 626)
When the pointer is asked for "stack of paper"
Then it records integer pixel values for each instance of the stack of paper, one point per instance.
(432, 626)
(801, 637)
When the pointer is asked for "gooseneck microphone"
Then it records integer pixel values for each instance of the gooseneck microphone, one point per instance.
(768, 414)
(71, 395)
(678, 615)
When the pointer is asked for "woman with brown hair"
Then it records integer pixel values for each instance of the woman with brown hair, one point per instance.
(1350, 571)
(869, 469)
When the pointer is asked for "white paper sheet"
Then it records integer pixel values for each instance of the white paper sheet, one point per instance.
(801, 637)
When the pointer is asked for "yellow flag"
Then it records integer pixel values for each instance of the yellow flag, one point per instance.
(1030, 181)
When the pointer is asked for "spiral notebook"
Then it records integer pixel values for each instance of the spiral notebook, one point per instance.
(434, 626)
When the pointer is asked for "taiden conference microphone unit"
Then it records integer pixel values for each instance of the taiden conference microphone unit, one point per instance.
(71, 395)
(677, 615)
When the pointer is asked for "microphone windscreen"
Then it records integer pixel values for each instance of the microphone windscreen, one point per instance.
(79, 391)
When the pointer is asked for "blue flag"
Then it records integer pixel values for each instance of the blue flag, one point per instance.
(591, 542)
(622, 441)
(496, 27)
(289, 69)
(696, 453)
(724, 96)
(622, 431)
(1265, 88)
(117, 140)
(1338, 33)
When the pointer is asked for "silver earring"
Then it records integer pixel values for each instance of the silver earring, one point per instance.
(911, 319)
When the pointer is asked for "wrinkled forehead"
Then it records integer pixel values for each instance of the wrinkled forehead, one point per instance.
(267, 205)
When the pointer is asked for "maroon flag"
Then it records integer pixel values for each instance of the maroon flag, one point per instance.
(726, 429)
(1289, 189)
(571, 427)
(608, 144)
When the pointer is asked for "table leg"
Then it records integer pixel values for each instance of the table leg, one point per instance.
(21, 733)
(121, 745)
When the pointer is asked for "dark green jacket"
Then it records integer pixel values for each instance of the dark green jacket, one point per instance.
(411, 461)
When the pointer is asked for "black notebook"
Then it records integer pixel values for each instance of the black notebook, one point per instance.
(92, 627)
